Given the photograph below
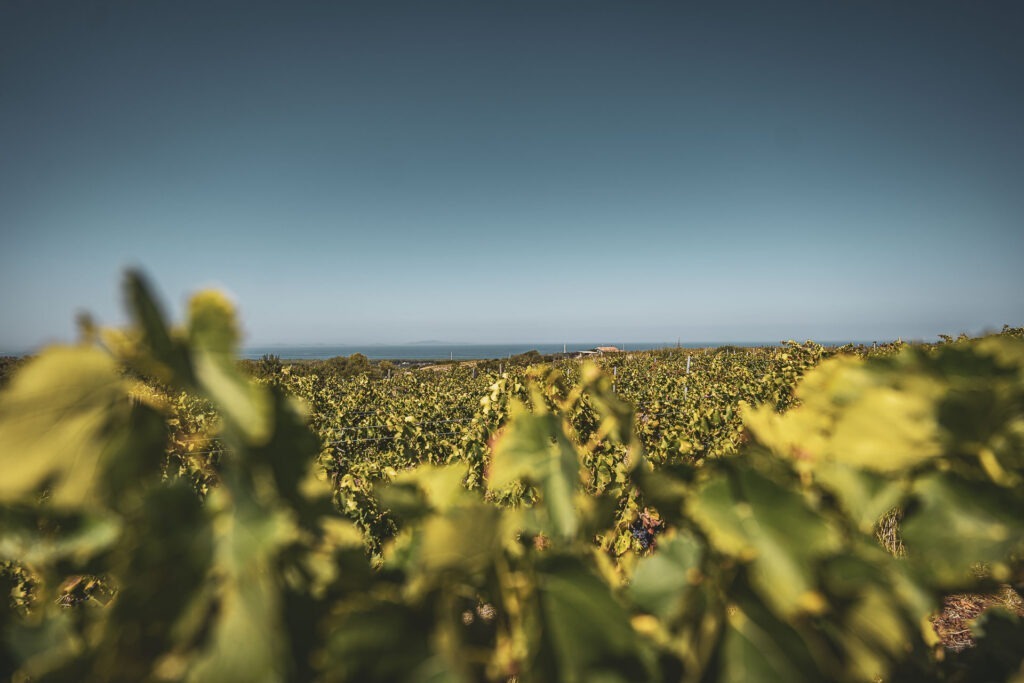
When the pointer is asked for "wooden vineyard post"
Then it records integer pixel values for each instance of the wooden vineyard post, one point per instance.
(686, 387)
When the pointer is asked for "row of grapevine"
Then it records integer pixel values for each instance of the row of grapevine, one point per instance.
(498, 548)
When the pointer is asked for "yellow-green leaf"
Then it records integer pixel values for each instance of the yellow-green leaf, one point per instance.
(55, 425)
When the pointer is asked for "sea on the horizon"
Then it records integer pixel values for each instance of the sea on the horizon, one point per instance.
(457, 351)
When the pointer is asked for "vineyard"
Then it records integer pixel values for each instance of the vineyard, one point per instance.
(791, 513)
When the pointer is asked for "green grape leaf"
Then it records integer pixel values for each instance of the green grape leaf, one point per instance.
(771, 527)
(166, 357)
(247, 641)
(45, 647)
(865, 495)
(958, 524)
(586, 632)
(424, 489)
(464, 538)
(379, 641)
(247, 407)
(167, 540)
(534, 448)
(211, 325)
(57, 421)
(758, 647)
(875, 625)
(861, 415)
(616, 415)
(37, 539)
(888, 429)
(661, 581)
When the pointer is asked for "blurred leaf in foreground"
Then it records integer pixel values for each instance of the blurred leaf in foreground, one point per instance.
(58, 419)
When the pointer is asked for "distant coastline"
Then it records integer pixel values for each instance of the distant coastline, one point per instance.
(430, 351)
(457, 351)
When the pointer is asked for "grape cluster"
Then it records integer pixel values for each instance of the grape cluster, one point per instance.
(643, 536)
(644, 529)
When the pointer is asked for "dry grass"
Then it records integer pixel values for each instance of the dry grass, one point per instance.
(953, 623)
(888, 532)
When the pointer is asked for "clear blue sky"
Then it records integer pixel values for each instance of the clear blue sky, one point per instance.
(517, 171)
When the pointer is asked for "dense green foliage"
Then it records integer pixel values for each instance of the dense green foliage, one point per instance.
(270, 367)
(192, 520)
